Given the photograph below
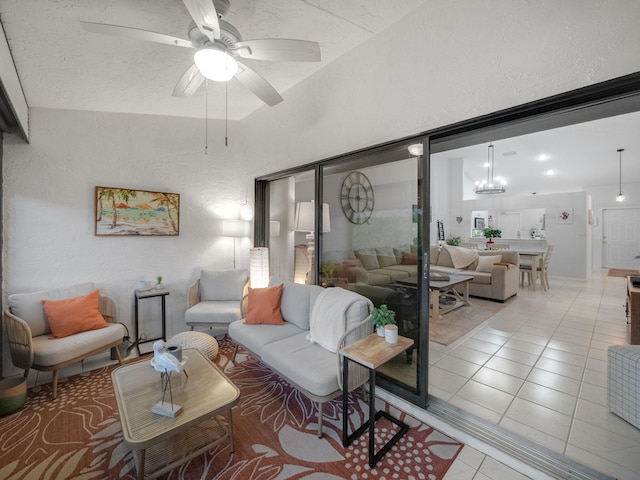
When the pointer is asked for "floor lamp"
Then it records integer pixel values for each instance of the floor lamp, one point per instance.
(235, 229)
(305, 222)
(259, 267)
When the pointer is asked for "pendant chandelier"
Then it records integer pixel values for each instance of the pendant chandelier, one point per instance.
(620, 196)
(491, 185)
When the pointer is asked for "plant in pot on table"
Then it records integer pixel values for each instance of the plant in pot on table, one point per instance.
(382, 316)
(328, 268)
(453, 240)
(491, 233)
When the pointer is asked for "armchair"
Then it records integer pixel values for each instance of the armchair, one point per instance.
(31, 341)
(215, 299)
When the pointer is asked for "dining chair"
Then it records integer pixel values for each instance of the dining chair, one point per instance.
(542, 270)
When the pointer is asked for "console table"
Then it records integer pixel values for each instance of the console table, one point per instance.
(142, 294)
(633, 310)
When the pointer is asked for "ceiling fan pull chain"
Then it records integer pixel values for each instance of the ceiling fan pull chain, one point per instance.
(226, 114)
(206, 117)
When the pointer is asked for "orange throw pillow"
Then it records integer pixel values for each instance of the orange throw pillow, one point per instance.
(74, 315)
(264, 306)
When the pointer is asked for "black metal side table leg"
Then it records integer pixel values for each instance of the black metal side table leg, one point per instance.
(372, 417)
(345, 402)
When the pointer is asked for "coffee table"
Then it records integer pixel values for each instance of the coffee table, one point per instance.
(457, 285)
(161, 443)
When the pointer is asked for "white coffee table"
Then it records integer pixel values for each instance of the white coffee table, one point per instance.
(161, 443)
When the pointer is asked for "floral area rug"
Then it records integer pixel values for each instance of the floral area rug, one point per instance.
(78, 435)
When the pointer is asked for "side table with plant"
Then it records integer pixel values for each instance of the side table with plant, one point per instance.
(382, 316)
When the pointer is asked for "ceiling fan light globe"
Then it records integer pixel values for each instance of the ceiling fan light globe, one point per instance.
(215, 64)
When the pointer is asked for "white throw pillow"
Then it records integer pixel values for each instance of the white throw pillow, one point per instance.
(486, 262)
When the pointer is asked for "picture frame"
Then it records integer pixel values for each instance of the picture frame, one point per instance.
(478, 222)
(126, 212)
(564, 216)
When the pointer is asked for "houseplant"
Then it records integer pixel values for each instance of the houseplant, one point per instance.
(492, 233)
(381, 316)
(453, 240)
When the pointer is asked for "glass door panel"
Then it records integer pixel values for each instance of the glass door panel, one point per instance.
(291, 227)
(373, 246)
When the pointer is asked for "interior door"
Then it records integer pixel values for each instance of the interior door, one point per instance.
(509, 223)
(621, 238)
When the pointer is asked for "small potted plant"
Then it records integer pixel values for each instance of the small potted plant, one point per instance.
(453, 240)
(328, 269)
(491, 233)
(382, 316)
(159, 284)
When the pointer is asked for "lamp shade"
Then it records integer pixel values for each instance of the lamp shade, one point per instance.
(215, 64)
(259, 267)
(235, 228)
(305, 213)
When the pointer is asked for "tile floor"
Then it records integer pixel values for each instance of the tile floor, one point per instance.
(537, 368)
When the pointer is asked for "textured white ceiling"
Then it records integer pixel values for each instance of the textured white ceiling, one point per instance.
(62, 66)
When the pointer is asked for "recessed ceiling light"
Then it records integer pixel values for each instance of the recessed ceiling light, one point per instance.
(550, 172)
(542, 157)
(485, 164)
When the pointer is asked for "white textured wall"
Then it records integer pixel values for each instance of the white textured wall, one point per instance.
(49, 204)
(450, 61)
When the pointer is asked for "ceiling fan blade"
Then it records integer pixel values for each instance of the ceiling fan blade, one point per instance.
(279, 49)
(189, 82)
(135, 34)
(204, 14)
(258, 85)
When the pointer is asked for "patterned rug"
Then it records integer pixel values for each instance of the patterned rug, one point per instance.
(619, 272)
(78, 435)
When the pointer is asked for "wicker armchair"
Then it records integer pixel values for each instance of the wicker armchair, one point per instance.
(216, 299)
(32, 346)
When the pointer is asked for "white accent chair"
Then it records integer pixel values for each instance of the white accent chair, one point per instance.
(31, 344)
(215, 299)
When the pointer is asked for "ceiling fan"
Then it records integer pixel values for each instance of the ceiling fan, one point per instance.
(219, 45)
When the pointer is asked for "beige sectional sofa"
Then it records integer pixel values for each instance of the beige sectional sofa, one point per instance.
(496, 279)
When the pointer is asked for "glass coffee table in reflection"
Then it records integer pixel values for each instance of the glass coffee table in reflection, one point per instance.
(161, 443)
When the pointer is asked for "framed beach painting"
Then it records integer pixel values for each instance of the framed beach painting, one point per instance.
(123, 211)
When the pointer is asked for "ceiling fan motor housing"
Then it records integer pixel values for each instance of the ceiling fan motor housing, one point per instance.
(229, 35)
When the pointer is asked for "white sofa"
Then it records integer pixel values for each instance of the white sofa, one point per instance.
(331, 318)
